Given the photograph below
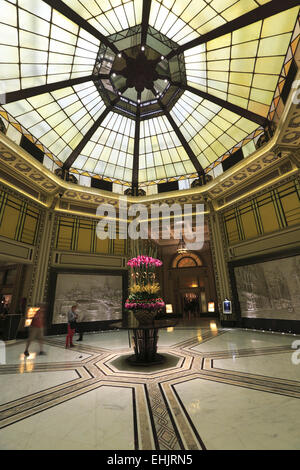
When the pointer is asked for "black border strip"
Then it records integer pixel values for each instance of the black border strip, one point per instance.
(189, 418)
(31, 397)
(171, 418)
(135, 425)
(156, 442)
(57, 404)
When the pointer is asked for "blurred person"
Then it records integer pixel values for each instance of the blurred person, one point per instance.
(36, 329)
(72, 317)
(3, 307)
(4, 311)
(80, 327)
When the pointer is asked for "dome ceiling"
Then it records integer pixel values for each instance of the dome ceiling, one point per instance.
(139, 92)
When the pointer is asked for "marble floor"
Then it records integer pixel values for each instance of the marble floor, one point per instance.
(218, 389)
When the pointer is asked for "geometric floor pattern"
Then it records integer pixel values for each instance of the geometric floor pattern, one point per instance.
(225, 389)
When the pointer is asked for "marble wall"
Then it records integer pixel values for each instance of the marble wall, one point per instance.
(270, 289)
(98, 297)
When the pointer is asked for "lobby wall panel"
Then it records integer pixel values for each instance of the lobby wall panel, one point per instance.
(269, 213)
(78, 234)
(85, 260)
(267, 287)
(19, 220)
(284, 240)
(15, 251)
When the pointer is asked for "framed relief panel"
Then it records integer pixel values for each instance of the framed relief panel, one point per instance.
(99, 297)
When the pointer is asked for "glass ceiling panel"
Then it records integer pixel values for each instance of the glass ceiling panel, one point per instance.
(39, 46)
(46, 48)
(109, 153)
(243, 67)
(209, 129)
(161, 153)
(60, 119)
(109, 16)
(185, 20)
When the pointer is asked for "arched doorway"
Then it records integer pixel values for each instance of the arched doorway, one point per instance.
(186, 260)
(191, 284)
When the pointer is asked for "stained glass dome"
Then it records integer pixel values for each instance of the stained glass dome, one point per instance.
(142, 92)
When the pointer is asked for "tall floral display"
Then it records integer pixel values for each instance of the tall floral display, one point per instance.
(144, 293)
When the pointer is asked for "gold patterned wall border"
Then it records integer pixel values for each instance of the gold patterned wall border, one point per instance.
(6, 156)
(22, 167)
(25, 170)
(272, 180)
(292, 134)
(71, 196)
(253, 168)
(247, 173)
(240, 176)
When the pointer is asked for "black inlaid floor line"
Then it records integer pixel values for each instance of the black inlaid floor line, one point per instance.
(99, 369)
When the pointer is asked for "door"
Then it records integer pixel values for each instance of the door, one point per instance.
(190, 304)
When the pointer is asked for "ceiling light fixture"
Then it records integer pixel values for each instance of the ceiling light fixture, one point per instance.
(182, 246)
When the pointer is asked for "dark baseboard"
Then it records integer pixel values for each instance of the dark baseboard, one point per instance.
(229, 323)
(268, 324)
(169, 316)
(215, 316)
(61, 329)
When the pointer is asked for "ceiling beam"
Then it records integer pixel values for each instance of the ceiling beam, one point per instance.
(182, 139)
(262, 121)
(76, 152)
(145, 21)
(136, 151)
(17, 95)
(260, 13)
(65, 10)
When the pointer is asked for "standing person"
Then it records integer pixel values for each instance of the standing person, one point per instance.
(36, 329)
(79, 324)
(72, 316)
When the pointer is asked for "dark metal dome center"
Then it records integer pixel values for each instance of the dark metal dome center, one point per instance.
(140, 72)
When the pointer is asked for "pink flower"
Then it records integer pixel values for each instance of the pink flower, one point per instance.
(147, 260)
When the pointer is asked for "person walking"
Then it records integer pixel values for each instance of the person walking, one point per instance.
(72, 316)
(36, 330)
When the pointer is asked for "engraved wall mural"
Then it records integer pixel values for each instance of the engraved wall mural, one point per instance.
(98, 297)
(270, 289)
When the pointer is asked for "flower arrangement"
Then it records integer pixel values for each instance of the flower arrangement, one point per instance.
(144, 291)
(142, 260)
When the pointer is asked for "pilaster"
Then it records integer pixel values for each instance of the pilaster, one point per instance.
(42, 258)
(220, 263)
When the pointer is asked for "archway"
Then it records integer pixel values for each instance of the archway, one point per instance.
(191, 285)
